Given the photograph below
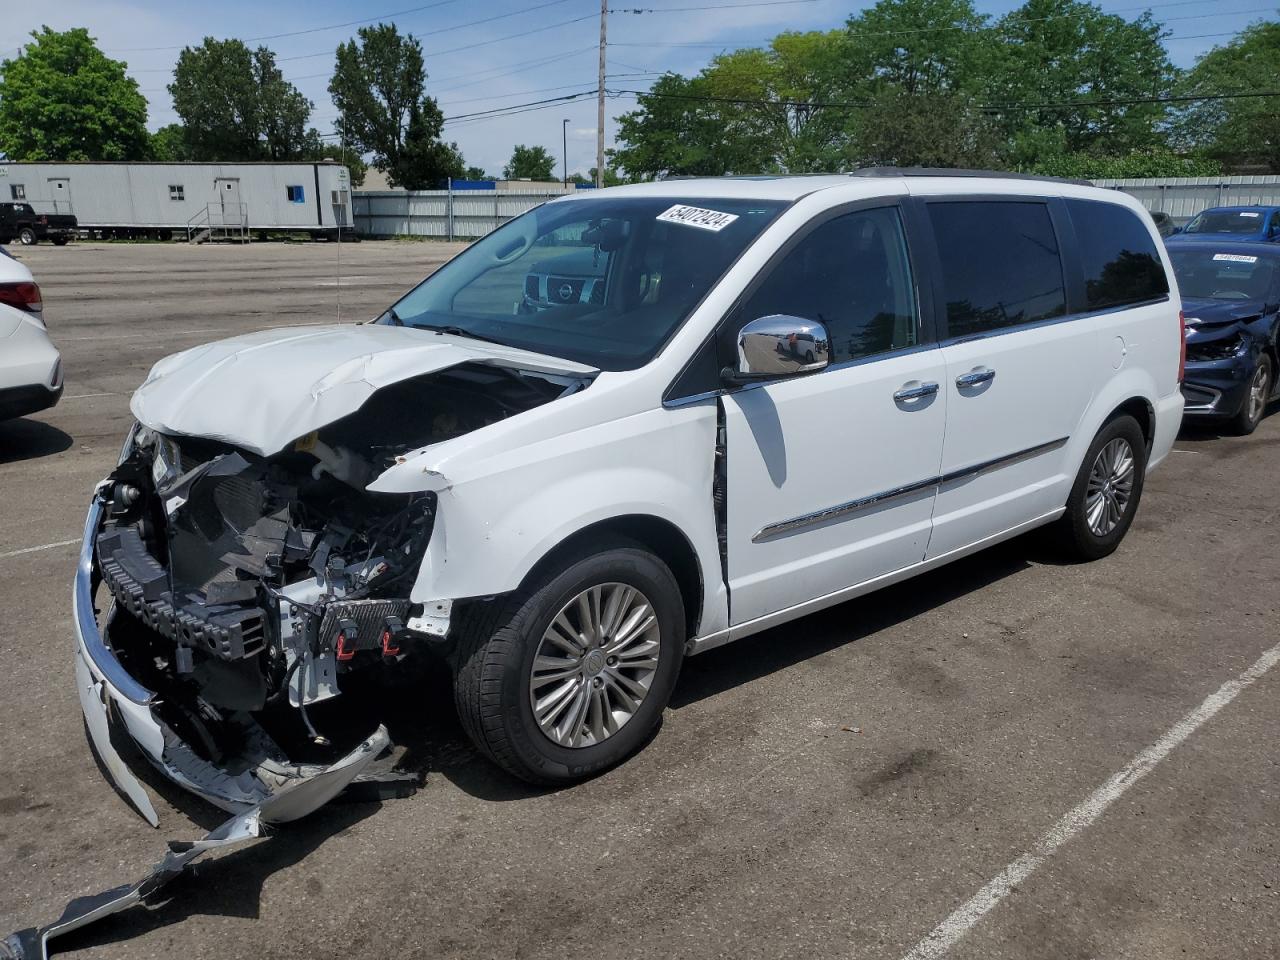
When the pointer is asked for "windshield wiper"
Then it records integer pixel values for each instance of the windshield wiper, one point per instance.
(455, 331)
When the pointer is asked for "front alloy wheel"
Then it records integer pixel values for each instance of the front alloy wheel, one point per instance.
(568, 675)
(595, 664)
(1255, 402)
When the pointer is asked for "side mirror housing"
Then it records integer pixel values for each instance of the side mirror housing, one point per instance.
(1175, 230)
(779, 346)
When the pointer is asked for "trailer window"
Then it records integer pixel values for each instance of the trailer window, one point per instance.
(295, 194)
(17, 191)
(176, 192)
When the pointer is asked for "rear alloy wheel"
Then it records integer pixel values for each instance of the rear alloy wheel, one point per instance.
(26, 236)
(1255, 401)
(569, 675)
(1105, 495)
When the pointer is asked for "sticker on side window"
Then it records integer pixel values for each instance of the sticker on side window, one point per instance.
(1252, 216)
(1235, 257)
(699, 217)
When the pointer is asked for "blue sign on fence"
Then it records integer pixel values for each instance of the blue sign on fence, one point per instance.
(474, 185)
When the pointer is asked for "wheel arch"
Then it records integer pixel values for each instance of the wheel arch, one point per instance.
(660, 536)
(1140, 409)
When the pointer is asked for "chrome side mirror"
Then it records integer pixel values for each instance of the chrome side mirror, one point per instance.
(781, 346)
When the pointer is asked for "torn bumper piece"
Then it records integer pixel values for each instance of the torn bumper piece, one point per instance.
(291, 802)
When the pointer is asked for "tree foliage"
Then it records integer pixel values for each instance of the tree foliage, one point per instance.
(63, 99)
(530, 163)
(236, 105)
(377, 86)
(1053, 84)
(1241, 131)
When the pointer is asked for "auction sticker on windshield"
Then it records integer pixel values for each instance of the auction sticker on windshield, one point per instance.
(699, 217)
(1235, 257)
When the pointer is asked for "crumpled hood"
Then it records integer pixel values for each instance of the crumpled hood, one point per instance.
(1205, 312)
(264, 390)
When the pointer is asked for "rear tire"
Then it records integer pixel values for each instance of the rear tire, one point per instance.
(60, 242)
(1106, 493)
(504, 665)
(1255, 400)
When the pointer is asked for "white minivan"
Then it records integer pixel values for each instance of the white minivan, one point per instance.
(734, 402)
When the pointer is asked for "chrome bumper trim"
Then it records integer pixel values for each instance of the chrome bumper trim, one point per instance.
(100, 657)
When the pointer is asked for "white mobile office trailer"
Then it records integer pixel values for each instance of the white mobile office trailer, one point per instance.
(192, 200)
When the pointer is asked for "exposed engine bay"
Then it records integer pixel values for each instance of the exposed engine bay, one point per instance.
(246, 581)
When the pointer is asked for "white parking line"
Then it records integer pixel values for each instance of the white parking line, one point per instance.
(86, 396)
(43, 546)
(946, 934)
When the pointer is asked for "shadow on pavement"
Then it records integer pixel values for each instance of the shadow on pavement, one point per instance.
(717, 671)
(30, 439)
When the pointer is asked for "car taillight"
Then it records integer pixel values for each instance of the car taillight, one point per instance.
(44, 219)
(23, 295)
(1182, 346)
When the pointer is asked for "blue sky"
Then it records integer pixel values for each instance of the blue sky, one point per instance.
(524, 52)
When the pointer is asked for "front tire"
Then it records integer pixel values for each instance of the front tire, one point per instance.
(1255, 401)
(27, 237)
(569, 675)
(1106, 492)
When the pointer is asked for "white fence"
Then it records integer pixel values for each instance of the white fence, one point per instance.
(461, 214)
(1183, 197)
(467, 214)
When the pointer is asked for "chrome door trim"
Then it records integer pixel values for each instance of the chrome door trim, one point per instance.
(841, 510)
(864, 503)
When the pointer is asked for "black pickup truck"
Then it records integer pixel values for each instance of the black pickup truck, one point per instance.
(19, 221)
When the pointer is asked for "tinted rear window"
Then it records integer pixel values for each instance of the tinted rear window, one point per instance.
(1000, 264)
(1121, 265)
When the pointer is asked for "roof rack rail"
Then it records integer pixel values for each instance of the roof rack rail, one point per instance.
(949, 172)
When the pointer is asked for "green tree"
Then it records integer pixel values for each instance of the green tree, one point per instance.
(530, 163)
(1050, 55)
(169, 143)
(1238, 131)
(236, 105)
(917, 47)
(1152, 162)
(63, 99)
(677, 130)
(475, 173)
(903, 129)
(377, 86)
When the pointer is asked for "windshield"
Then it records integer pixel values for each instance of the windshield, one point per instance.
(1226, 221)
(602, 281)
(1222, 276)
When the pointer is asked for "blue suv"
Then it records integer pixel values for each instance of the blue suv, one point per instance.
(1232, 223)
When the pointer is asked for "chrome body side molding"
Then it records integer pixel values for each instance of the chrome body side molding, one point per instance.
(864, 503)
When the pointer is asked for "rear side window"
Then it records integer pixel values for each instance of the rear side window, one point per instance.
(1121, 265)
(1000, 264)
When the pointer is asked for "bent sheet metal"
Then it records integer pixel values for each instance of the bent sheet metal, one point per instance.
(292, 802)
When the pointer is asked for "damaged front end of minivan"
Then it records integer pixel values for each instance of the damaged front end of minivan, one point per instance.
(240, 581)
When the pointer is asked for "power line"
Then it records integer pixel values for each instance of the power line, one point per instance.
(440, 53)
(1009, 22)
(298, 33)
(718, 6)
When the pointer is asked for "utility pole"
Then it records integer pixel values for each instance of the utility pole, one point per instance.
(564, 149)
(604, 20)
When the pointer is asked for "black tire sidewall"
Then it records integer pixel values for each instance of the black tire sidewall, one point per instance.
(1087, 544)
(547, 760)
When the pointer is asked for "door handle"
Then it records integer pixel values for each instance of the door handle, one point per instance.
(915, 393)
(975, 377)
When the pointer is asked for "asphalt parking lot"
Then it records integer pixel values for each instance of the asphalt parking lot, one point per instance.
(839, 787)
